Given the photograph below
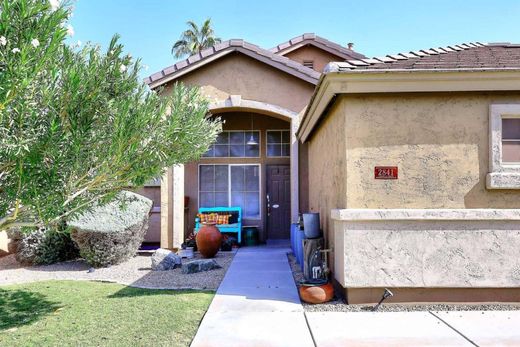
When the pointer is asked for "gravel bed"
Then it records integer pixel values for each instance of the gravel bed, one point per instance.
(136, 272)
(339, 305)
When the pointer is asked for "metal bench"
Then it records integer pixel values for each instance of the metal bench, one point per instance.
(224, 228)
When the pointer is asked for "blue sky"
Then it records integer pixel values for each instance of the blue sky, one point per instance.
(149, 27)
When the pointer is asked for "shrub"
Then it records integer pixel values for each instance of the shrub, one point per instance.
(78, 125)
(112, 233)
(43, 246)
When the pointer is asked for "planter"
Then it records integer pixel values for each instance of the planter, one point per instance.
(208, 240)
(316, 294)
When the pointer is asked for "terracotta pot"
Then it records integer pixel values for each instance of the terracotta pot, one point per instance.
(208, 240)
(317, 294)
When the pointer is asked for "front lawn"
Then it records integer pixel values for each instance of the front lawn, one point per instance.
(81, 313)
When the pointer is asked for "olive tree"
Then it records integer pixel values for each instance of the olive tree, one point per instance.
(77, 125)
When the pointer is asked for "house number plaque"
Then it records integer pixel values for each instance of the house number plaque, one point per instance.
(385, 172)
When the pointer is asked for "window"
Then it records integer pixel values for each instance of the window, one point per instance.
(231, 185)
(233, 144)
(278, 143)
(504, 153)
(511, 140)
(308, 63)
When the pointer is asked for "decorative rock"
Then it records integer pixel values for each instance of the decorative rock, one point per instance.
(163, 259)
(200, 265)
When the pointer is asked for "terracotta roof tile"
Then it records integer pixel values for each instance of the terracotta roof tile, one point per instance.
(473, 55)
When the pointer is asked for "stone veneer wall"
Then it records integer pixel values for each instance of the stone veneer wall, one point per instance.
(444, 248)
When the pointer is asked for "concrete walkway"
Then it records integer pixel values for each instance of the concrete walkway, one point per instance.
(257, 304)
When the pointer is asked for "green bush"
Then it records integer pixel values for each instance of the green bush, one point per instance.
(43, 246)
(78, 125)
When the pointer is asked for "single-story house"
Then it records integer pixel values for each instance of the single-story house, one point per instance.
(412, 160)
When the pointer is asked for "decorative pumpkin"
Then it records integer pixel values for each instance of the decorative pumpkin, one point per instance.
(208, 240)
(317, 294)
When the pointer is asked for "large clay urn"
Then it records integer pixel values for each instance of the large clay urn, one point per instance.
(208, 240)
(317, 294)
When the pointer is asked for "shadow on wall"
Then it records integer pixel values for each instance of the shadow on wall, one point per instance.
(20, 307)
(481, 197)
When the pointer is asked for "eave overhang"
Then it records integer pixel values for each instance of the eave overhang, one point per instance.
(366, 81)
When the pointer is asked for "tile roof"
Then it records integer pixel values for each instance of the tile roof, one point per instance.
(197, 60)
(320, 42)
(466, 56)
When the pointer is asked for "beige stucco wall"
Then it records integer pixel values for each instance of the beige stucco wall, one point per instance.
(236, 74)
(3, 243)
(327, 169)
(318, 56)
(438, 141)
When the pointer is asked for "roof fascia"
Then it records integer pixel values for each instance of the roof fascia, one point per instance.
(361, 82)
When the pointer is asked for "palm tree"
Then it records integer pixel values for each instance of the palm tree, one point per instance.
(194, 39)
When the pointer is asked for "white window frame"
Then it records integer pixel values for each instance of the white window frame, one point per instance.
(282, 143)
(260, 186)
(502, 175)
(229, 144)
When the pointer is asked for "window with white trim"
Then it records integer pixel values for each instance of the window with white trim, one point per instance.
(278, 143)
(504, 152)
(231, 185)
(511, 140)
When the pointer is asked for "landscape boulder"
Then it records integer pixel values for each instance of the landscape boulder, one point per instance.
(112, 233)
(163, 260)
(200, 265)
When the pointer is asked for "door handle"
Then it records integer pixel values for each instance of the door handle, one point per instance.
(276, 206)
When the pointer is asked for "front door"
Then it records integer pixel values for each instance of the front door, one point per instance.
(278, 201)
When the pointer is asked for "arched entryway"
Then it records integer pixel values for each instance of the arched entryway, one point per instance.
(269, 167)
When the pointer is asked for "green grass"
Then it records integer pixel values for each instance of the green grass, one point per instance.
(78, 313)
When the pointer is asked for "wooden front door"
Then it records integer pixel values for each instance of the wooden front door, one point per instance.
(278, 201)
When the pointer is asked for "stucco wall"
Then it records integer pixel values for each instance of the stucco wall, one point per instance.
(439, 142)
(237, 74)
(3, 243)
(327, 169)
(448, 248)
(318, 56)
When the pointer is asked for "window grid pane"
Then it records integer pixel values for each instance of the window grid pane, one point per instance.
(215, 191)
(233, 144)
(278, 143)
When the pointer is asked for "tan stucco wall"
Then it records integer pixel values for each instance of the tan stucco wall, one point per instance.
(318, 56)
(3, 243)
(438, 141)
(237, 74)
(327, 169)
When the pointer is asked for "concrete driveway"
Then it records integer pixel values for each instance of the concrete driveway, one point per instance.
(257, 304)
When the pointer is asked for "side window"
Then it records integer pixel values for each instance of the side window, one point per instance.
(504, 147)
(511, 140)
